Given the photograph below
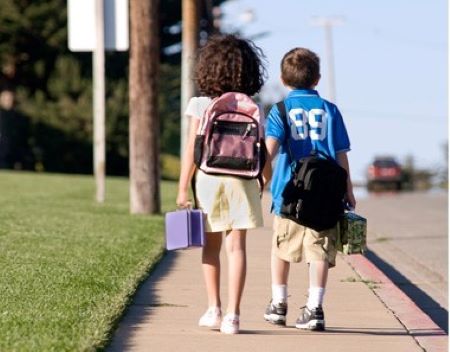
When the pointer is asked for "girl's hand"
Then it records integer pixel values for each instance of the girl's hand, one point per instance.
(183, 200)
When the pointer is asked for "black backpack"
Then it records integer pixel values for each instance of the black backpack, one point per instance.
(314, 195)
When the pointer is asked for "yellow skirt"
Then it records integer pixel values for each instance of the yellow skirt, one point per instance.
(230, 203)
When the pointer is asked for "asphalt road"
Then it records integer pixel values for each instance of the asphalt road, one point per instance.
(408, 241)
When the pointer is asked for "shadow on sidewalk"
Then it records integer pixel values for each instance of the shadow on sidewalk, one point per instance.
(291, 330)
(427, 304)
(142, 303)
(383, 332)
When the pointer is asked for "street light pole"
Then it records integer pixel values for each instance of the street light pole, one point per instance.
(190, 27)
(327, 23)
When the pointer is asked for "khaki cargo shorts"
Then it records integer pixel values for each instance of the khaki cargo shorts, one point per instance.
(293, 242)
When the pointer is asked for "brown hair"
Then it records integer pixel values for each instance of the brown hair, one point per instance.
(229, 64)
(300, 68)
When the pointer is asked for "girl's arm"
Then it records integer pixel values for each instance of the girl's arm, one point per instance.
(187, 166)
(343, 161)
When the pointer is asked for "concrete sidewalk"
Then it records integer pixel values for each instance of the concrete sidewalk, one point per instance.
(360, 309)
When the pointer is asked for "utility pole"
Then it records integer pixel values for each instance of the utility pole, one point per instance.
(98, 64)
(327, 23)
(190, 27)
(144, 119)
(98, 25)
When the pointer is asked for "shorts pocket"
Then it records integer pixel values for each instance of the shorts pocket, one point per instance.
(281, 231)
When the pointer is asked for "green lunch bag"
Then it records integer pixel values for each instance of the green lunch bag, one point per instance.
(352, 234)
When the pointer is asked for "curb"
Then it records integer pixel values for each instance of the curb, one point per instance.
(427, 334)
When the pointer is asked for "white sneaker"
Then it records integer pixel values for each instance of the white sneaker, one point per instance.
(230, 324)
(211, 319)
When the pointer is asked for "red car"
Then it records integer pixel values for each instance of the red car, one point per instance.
(384, 172)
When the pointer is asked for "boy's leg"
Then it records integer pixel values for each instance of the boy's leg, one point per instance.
(276, 311)
(320, 253)
(280, 275)
(286, 248)
(279, 270)
(318, 275)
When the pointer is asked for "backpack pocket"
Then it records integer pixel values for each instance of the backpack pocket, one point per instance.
(233, 145)
(313, 197)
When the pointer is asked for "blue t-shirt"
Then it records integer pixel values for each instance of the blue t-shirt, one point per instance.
(314, 122)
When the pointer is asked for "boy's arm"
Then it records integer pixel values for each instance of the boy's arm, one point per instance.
(272, 146)
(343, 161)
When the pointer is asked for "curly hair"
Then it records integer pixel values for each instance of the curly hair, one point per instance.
(229, 64)
(300, 68)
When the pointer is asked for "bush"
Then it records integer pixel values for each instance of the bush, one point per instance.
(170, 167)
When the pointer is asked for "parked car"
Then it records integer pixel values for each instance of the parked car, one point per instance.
(384, 172)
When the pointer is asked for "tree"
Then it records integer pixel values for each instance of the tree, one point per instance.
(144, 120)
(52, 87)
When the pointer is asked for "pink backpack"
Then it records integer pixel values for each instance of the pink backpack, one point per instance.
(230, 139)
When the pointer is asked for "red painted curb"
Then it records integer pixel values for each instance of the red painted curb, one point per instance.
(419, 325)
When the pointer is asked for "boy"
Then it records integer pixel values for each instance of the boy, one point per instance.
(314, 123)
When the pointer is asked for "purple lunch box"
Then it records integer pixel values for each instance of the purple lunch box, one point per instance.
(184, 229)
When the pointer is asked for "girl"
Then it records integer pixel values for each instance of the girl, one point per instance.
(225, 64)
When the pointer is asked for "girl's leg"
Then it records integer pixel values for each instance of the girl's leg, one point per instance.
(235, 243)
(211, 267)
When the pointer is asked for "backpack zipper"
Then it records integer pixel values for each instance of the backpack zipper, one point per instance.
(236, 127)
(247, 131)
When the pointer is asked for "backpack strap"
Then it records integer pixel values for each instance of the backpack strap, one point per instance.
(282, 109)
(325, 155)
(194, 190)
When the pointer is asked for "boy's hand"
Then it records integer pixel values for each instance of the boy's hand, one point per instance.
(350, 198)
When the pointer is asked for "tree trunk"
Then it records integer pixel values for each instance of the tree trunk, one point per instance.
(144, 120)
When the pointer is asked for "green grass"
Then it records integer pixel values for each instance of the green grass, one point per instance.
(370, 283)
(68, 266)
(382, 239)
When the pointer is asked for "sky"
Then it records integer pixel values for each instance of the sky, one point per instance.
(390, 68)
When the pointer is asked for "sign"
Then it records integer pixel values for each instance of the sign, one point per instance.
(81, 25)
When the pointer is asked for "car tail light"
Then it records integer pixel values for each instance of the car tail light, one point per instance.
(390, 171)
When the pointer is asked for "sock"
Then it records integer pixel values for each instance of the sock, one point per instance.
(315, 297)
(279, 293)
(232, 316)
(215, 310)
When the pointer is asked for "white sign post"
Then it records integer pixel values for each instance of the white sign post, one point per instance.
(96, 25)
